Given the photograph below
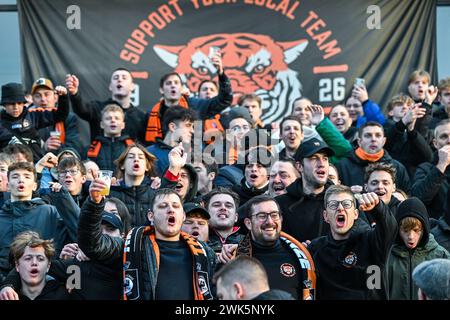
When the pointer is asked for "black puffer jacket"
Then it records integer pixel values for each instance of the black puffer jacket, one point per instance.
(35, 215)
(351, 171)
(431, 186)
(137, 198)
(408, 147)
(441, 233)
(110, 150)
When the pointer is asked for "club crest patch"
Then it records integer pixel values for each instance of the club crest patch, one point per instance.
(350, 260)
(287, 270)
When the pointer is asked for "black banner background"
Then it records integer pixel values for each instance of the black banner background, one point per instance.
(384, 57)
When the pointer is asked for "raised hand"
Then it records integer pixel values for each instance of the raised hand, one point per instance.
(360, 93)
(414, 113)
(431, 94)
(177, 159)
(61, 91)
(216, 60)
(72, 84)
(368, 201)
(47, 161)
(95, 188)
(317, 114)
(444, 158)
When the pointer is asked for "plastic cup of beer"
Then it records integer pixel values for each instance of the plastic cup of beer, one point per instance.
(106, 176)
(56, 134)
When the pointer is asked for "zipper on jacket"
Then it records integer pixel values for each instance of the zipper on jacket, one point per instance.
(410, 276)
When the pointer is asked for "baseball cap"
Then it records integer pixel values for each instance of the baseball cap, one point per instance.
(112, 219)
(191, 207)
(310, 147)
(41, 82)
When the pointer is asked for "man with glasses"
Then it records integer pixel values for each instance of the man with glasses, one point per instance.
(350, 261)
(287, 262)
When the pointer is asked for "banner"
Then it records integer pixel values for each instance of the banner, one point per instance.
(279, 49)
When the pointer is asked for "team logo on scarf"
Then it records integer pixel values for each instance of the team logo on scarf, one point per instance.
(287, 270)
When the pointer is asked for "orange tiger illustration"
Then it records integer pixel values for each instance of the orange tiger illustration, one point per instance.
(254, 63)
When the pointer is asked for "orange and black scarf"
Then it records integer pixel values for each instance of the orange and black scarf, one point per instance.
(154, 128)
(135, 246)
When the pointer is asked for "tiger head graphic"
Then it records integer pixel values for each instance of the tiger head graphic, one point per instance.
(254, 63)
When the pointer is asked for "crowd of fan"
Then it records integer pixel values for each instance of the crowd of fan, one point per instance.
(349, 205)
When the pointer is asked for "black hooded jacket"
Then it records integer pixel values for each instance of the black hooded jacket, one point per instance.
(342, 265)
(303, 213)
(431, 186)
(135, 118)
(351, 171)
(246, 193)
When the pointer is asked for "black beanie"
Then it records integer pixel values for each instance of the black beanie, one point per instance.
(414, 207)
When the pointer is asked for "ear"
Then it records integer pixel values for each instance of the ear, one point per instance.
(236, 217)
(211, 176)
(83, 179)
(325, 216)
(35, 186)
(161, 91)
(384, 141)
(357, 213)
(150, 215)
(248, 223)
(238, 291)
(172, 126)
(435, 144)
(101, 124)
(365, 187)
(17, 266)
(358, 140)
(395, 188)
(299, 167)
(391, 113)
(110, 86)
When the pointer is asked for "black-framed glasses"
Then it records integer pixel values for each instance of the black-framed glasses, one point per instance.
(72, 172)
(262, 216)
(334, 204)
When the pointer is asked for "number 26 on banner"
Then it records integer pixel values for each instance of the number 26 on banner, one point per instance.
(331, 89)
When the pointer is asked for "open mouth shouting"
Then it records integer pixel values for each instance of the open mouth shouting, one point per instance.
(253, 178)
(21, 187)
(340, 220)
(195, 234)
(136, 167)
(171, 221)
(339, 123)
(279, 188)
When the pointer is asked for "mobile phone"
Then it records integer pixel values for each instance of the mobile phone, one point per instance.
(213, 51)
(359, 82)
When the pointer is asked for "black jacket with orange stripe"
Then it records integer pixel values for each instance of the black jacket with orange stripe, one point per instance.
(104, 150)
(26, 126)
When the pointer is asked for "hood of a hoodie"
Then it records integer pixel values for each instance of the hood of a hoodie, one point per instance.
(413, 207)
(193, 184)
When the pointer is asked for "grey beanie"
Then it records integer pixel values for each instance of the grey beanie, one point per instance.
(433, 278)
